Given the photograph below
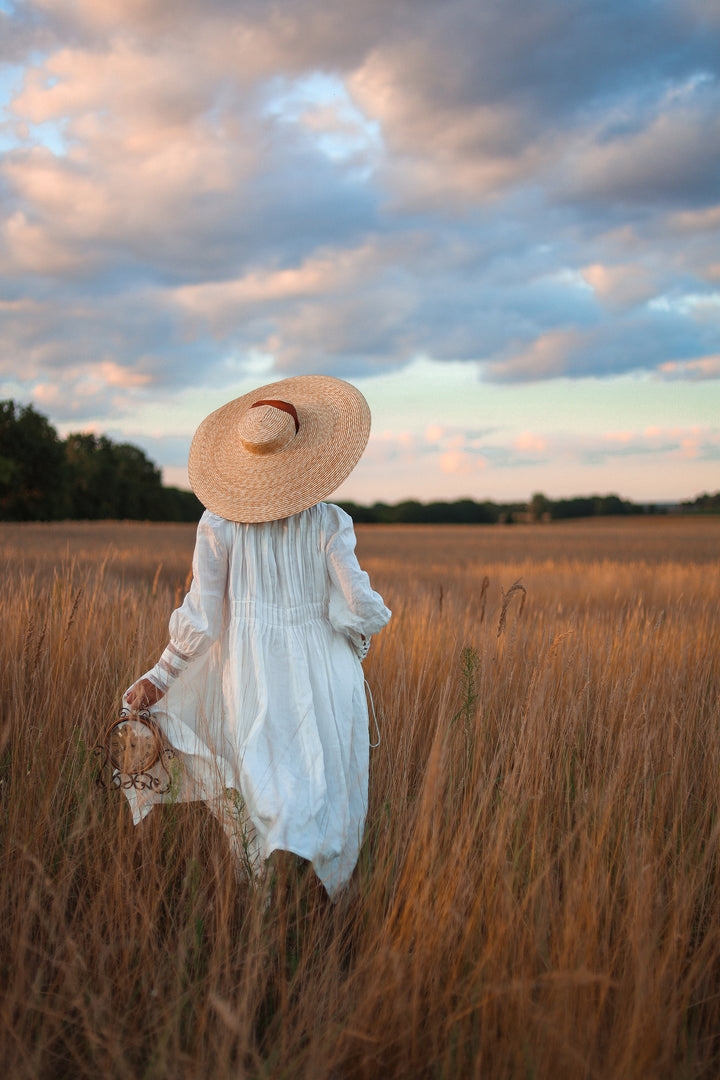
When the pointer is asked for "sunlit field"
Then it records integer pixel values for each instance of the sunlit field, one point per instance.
(538, 893)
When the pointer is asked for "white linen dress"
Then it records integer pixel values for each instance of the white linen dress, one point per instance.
(265, 688)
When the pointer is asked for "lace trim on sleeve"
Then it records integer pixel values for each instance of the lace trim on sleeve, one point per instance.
(171, 664)
(167, 667)
(176, 652)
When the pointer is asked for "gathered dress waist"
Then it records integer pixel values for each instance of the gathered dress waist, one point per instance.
(278, 614)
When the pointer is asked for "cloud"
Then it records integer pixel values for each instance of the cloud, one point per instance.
(193, 193)
(673, 158)
(324, 272)
(461, 464)
(704, 367)
(391, 448)
(547, 356)
(86, 389)
(620, 285)
(673, 443)
(527, 441)
(696, 221)
(477, 148)
(28, 248)
(462, 454)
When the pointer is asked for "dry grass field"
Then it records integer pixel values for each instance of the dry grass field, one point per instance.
(539, 889)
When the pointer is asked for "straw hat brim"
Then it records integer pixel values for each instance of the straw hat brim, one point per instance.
(237, 484)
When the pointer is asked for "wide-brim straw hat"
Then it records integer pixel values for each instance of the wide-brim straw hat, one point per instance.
(279, 449)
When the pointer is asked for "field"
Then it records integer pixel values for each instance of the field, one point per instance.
(539, 889)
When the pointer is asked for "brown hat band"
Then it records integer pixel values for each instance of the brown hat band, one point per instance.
(285, 406)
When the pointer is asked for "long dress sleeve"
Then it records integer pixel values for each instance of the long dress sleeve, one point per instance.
(355, 609)
(198, 622)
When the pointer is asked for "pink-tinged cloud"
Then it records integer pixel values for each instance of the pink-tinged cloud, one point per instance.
(404, 439)
(24, 306)
(386, 447)
(528, 442)
(324, 272)
(702, 221)
(82, 385)
(671, 442)
(672, 151)
(141, 148)
(545, 357)
(47, 394)
(26, 247)
(113, 374)
(101, 13)
(703, 367)
(434, 433)
(478, 149)
(459, 463)
(619, 436)
(456, 442)
(620, 285)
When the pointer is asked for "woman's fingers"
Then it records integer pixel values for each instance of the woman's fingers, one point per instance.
(143, 694)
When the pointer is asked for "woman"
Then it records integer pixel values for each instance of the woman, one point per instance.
(260, 691)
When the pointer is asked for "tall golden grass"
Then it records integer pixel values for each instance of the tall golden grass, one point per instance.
(538, 894)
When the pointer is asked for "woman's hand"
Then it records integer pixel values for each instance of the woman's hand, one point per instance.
(143, 694)
(361, 647)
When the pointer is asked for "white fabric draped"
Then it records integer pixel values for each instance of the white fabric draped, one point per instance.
(265, 690)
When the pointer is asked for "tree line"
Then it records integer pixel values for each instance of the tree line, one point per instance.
(46, 478)
(540, 508)
(469, 512)
(703, 504)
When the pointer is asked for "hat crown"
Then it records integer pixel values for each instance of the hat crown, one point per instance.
(265, 429)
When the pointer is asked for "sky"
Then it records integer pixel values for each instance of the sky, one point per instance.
(500, 219)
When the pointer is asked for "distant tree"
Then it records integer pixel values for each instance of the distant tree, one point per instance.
(360, 514)
(383, 511)
(463, 511)
(111, 480)
(703, 504)
(613, 505)
(91, 474)
(139, 484)
(573, 508)
(179, 505)
(593, 506)
(539, 506)
(84, 476)
(32, 466)
(410, 511)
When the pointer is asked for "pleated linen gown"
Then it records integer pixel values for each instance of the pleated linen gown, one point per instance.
(265, 689)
